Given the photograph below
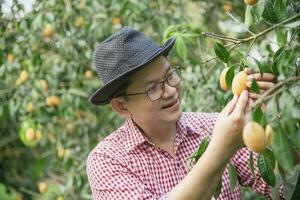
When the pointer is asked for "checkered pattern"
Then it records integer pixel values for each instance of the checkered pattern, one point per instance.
(127, 166)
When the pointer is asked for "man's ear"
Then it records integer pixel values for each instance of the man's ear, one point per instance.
(119, 105)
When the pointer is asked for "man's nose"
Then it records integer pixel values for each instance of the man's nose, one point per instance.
(169, 90)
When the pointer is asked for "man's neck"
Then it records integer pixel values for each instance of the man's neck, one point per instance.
(161, 136)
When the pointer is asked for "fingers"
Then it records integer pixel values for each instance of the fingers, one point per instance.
(264, 85)
(230, 106)
(241, 104)
(254, 96)
(248, 71)
(258, 77)
(250, 104)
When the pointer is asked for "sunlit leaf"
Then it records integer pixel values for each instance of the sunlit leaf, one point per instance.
(201, 149)
(221, 52)
(229, 76)
(265, 165)
(254, 87)
(281, 149)
(181, 47)
(232, 176)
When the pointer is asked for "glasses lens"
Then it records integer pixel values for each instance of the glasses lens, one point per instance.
(156, 91)
(174, 78)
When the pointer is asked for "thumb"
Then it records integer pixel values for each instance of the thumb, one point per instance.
(230, 106)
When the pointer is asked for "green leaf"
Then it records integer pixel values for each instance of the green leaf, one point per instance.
(259, 117)
(274, 68)
(292, 184)
(278, 53)
(229, 76)
(232, 176)
(280, 8)
(251, 164)
(281, 37)
(296, 112)
(260, 67)
(218, 190)
(249, 19)
(257, 10)
(254, 87)
(181, 47)
(281, 149)
(269, 13)
(221, 52)
(201, 149)
(169, 32)
(265, 167)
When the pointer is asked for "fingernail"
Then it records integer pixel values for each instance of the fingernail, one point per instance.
(249, 84)
(245, 92)
(250, 77)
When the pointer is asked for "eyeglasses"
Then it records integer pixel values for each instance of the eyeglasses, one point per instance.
(158, 89)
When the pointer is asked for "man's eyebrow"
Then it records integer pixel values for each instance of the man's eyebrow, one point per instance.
(157, 79)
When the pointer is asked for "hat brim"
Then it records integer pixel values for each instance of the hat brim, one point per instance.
(104, 94)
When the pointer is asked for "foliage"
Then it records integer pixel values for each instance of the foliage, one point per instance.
(47, 77)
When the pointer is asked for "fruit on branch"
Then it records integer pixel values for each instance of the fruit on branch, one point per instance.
(48, 31)
(10, 58)
(239, 83)
(250, 2)
(222, 79)
(42, 187)
(254, 136)
(227, 7)
(269, 134)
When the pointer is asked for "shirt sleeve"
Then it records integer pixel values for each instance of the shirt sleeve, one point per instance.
(241, 163)
(110, 179)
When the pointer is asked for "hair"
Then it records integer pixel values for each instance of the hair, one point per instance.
(122, 90)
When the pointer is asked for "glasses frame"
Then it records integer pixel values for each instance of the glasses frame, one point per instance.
(176, 69)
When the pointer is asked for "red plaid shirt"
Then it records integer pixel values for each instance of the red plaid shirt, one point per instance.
(127, 166)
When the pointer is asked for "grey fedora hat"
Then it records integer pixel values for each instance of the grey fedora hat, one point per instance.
(117, 57)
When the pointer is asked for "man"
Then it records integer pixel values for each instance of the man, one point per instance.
(146, 158)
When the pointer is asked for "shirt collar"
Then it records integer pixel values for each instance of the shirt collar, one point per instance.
(136, 138)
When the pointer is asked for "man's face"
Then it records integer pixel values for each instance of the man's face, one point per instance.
(167, 109)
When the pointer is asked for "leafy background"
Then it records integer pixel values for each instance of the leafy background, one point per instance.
(35, 69)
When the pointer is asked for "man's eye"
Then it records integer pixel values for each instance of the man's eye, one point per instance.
(152, 88)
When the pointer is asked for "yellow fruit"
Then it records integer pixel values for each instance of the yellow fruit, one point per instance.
(254, 137)
(10, 58)
(67, 153)
(53, 101)
(48, 31)
(39, 135)
(18, 82)
(43, 84)
(30, 107)
(116, 21)
(80, 22)
(61, 152)
(239, 83)
(88, 74)
(70, 126)
(59, 198)
(227, 6)
(222, 79)
(29, 134)
(250, 2)
(23, 76)
(269, 134)
(42, 187)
